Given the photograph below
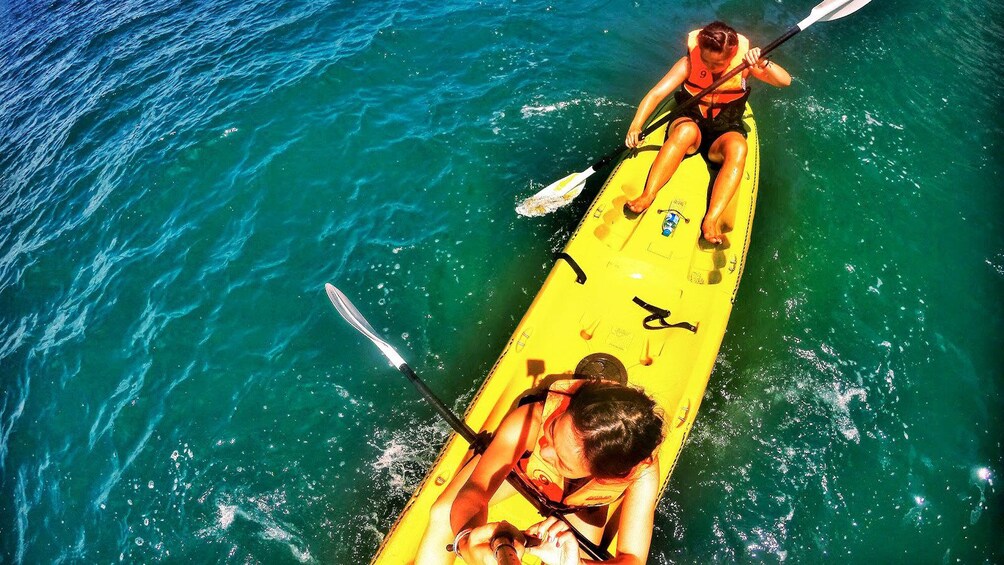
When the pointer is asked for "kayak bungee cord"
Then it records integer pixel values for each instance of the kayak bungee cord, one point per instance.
(478, 442)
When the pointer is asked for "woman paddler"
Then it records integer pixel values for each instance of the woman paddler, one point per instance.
(714, 125)
(583, 443)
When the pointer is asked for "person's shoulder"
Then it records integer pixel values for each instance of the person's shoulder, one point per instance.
(522, 421)
(647, 471)
(652, 467)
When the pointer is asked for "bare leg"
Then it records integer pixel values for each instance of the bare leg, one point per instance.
(730, 151)
(684, 139)
(439, 533)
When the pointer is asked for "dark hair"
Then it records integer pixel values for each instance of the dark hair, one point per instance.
(619, 427)
(717, 37)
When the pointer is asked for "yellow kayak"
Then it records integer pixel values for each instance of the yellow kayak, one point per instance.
(660, 304)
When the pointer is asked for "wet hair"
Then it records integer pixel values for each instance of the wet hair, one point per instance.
(619, 426)
(717, 37)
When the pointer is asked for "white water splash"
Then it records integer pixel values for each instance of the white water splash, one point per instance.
(226, 513)
(406, 455)
(545, 202)
(997, 264)
(840, 402)
(981, 478)
(540, 205)
(261, 511)
(529, 111)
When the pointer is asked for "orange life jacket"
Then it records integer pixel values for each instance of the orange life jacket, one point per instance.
(547, 480)
(700, 78)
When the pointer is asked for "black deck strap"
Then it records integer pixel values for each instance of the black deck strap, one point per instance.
(580, 274)
(659, 316)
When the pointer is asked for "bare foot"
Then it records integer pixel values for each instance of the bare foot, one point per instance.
(640, 204)
(712, 230)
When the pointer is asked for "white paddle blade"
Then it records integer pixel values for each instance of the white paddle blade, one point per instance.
(830, 10)
(351, 314)
(348, 311)
(554, 195)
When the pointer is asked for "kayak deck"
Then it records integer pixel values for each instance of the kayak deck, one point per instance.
(587, 305)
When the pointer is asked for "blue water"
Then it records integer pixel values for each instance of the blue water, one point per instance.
(179, 179)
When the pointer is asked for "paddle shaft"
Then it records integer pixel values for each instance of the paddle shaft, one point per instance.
(678, 111)
(456, 423)
(355, 318)
(504, 548)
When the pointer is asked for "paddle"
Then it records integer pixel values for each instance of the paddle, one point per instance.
(562, 191)
(357, 321)
(504, 548)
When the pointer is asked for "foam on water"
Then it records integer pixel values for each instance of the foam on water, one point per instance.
(531, 111)
(543, 203)
(260, 514)
(406, 455)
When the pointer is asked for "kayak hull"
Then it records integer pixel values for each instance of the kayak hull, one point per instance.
(588, 305)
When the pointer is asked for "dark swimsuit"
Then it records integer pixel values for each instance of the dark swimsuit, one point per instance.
(730, 118)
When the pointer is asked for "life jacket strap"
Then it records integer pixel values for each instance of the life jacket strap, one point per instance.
(542, 500)
(699, 88)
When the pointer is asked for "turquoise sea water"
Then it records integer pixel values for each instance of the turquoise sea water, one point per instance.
(179, 179)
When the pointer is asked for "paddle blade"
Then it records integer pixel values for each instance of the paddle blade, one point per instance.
(351, 314)
(554, 195)
(830, 10)
(348, 310)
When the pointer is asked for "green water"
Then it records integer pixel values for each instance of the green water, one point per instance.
(180, 179)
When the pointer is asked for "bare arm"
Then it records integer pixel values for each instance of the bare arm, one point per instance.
(634, 533)
(767, 71)
(673, 79)
(470, 509)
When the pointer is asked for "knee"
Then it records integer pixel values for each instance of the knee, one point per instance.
(684, 133)
(736, 152)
